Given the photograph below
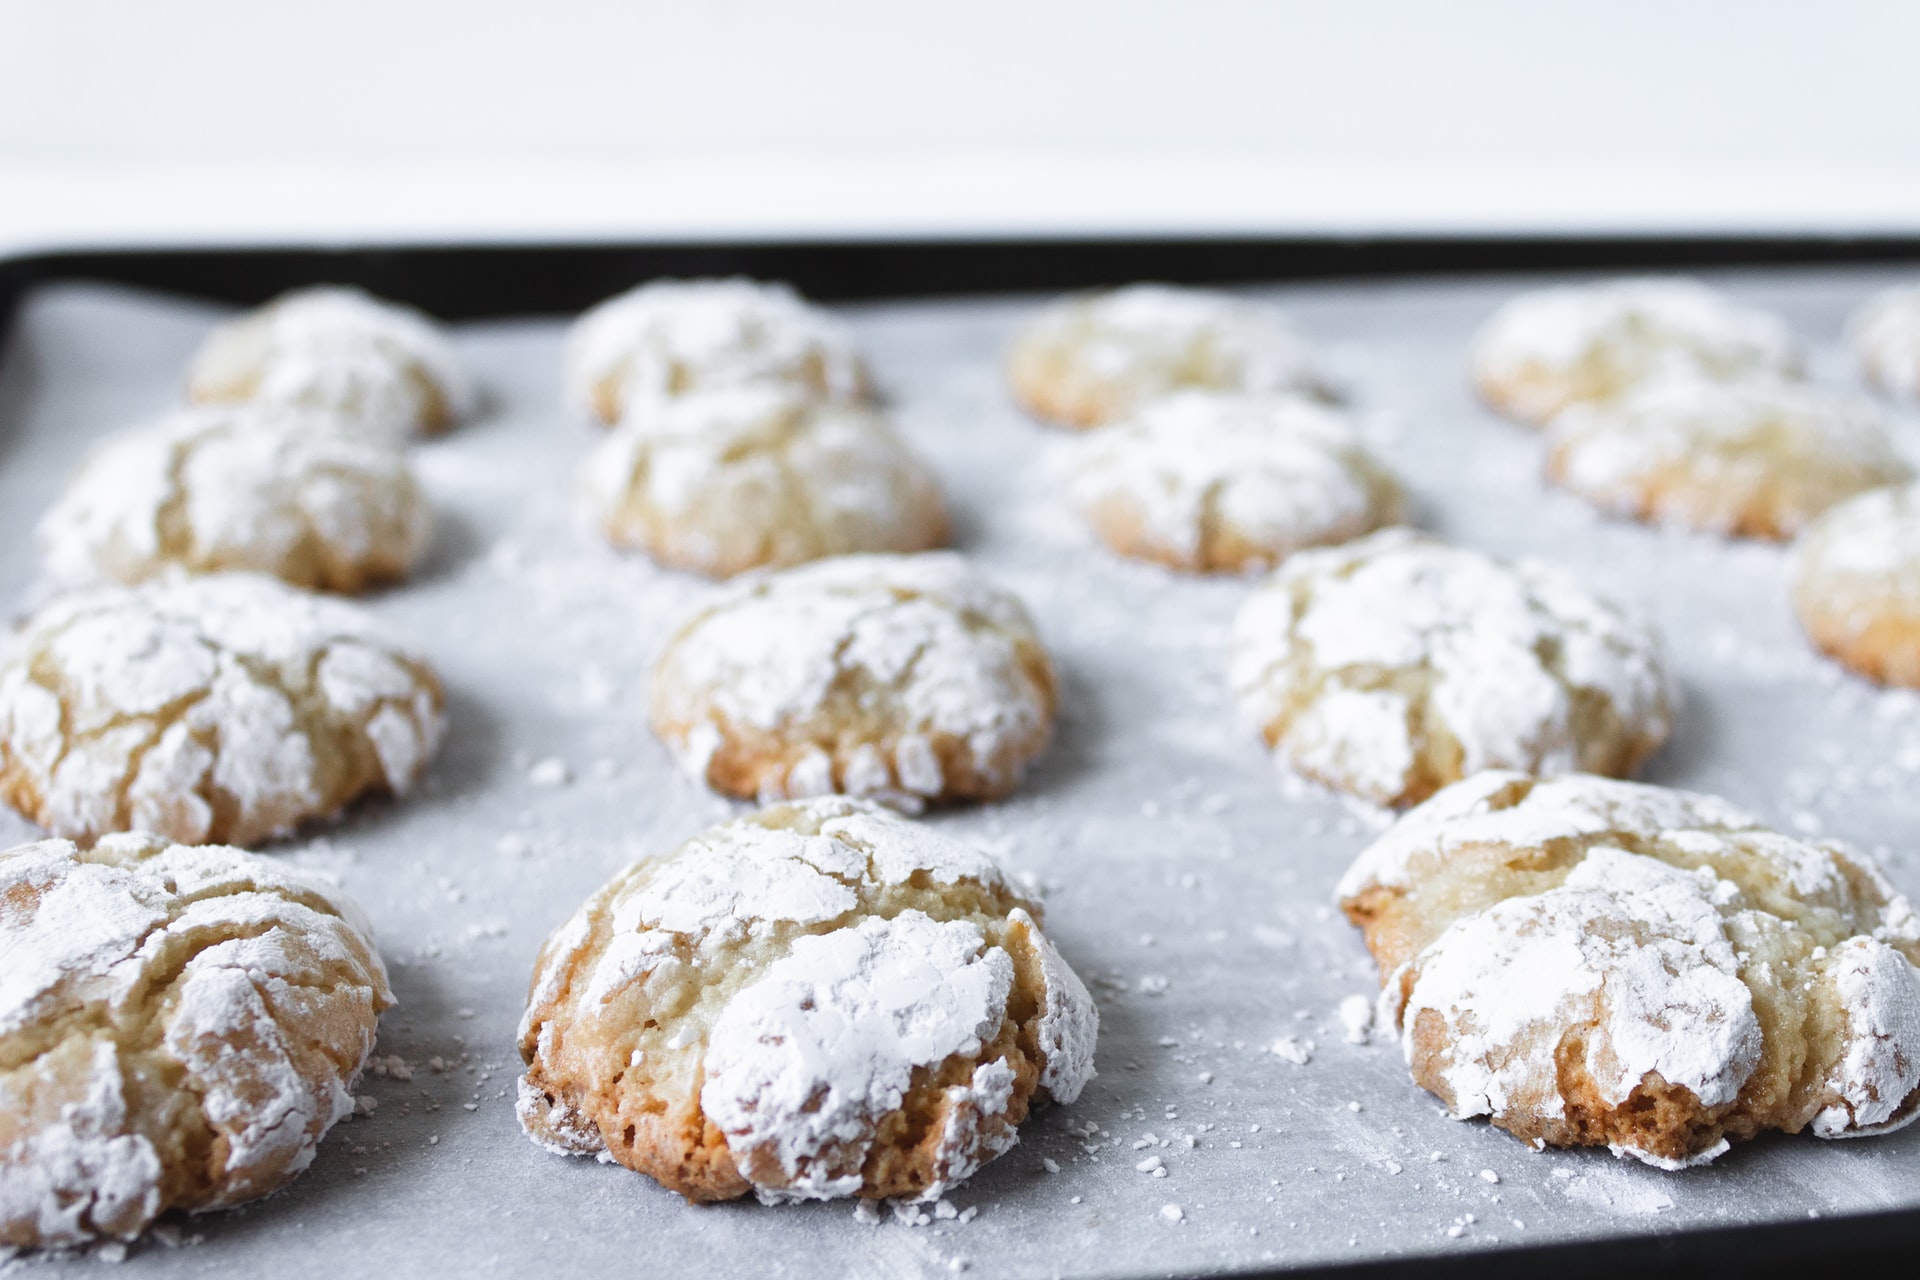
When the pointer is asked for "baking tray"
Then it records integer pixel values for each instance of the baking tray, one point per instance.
(1188, 881)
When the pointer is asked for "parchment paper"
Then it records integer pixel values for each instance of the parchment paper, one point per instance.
(1187, 879)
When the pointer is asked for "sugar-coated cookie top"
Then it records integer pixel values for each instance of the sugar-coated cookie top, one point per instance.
(164, 704)
(929, 628)
(1647, 919)
(669, 337)
(1280, 471)
(1553, 347)
(742, 477)
(1506, 649)
(248, 486)
(1885, 335)
(1760, 455)
(850, 949)
(137, 959)
(376, 363)
(1090, 357)
(1875, 536)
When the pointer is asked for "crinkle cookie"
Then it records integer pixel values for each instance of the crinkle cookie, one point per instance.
(750, 477)
(817, 1000)
(179, 1027)
(1856, 584)
(1885, 336)
(1590, 962)
(253, 487)
(376, 365)
(909, 678)
(229, 708)
(667, 338)
(1392, 666)
(1755, 459)
(1092, 357)
(1211, 482)
(1554, 347)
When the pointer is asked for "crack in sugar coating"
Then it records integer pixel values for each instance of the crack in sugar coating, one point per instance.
(1551, 348)
(820, 999)
(1394, 665)
(242, 487)
(222, 708)
(179, 1027)
(1090, 358)
(1593, 962)
(736, 479)
(670, 338)
(373, 364)
(1885, 337)
(1225, 483)
(1856, 584)
(1760, 458)
(909, 678)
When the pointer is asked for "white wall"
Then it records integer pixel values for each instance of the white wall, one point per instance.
(254, 119)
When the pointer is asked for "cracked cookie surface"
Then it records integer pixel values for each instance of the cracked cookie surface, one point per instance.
(908, 678)
(249, 487)
(720, 482)
(1090, 358)
(817, 1000)
(179, 1027)
(1591, 962)
(1574, 344)
(670, 338)
(226, 708)
(1210, 482)
(1396, 664)
(373, 364)
(1760, 458)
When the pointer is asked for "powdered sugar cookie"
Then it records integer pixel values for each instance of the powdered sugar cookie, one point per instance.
(817, 1000)
(735, 479)
(905, 677)
(1554, 347)
(240, 487)
(1856, 584)
(224, 708)
(1394, 665)
(670, 337)
(1756, 459)
(1223, 483)
(1885, 336)
(1092, 357)
(375, 364)
(181, 1026)
(1589, 962)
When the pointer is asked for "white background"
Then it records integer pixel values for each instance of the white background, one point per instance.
(220, 120)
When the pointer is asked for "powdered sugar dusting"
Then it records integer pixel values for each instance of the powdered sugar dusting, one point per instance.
(1872, 540)
(1154, 338)
(377, 364)
(263, 487)
(1275, 472)
(1627, 946)
(1546, 349)
(1502, 652)
(1885, 336)
(1719, 456)
(802, 1065)
(91, 949)
(739, 477)
(127, 707)
(938, 649)
(669, 337)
